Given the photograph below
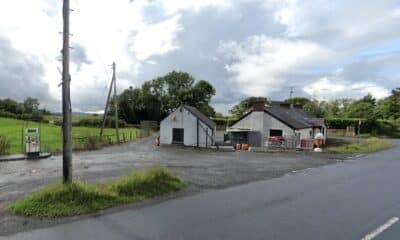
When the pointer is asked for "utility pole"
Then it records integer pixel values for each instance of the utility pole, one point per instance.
(66, 98)
(115, 102)
(112, 85)
(291, 92)
(106, 107)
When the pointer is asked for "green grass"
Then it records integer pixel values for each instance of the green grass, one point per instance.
(367, 146)
(61, 200)
(51, 134)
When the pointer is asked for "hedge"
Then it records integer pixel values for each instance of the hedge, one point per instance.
(223, 121)
(24, 116)
(94, 122)
(366, 125)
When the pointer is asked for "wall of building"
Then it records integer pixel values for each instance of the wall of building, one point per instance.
(253, 122)
(271, 122)
(182, 118)
(306, 133)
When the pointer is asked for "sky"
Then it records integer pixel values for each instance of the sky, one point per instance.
(322, 49)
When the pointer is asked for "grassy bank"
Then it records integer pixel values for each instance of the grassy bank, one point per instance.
(60, 200)
(367, 146)
(51, 134)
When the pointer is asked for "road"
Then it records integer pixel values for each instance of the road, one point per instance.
(357, 199)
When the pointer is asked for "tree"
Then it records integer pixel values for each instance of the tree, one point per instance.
(363, 108)
(239, 109)
(31, 105)
(297, 100)
(315, 108)
(160, 96)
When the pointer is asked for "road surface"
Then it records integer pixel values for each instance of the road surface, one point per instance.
(357, 199)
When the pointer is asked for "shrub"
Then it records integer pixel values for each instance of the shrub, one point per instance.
(4, 145)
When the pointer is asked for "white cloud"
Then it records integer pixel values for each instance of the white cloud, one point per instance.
(262, 65)
(156, 39)
(333, 87)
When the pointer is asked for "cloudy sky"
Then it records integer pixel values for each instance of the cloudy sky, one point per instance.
(323, 49)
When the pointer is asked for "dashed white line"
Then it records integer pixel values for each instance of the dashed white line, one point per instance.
(380, 229)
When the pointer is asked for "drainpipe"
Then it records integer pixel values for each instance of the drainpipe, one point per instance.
(197, 132)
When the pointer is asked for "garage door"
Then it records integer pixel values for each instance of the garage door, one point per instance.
(177, 135)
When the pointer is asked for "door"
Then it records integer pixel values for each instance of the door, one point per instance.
(177, 135)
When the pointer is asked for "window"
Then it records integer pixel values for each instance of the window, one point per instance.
(275, 133)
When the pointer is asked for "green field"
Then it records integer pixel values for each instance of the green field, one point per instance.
(51, 134)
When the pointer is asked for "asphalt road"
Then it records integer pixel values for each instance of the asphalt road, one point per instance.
(357, 199)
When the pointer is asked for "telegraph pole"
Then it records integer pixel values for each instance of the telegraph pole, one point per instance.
(291, 92)
(106, 107)
(66, 98)
(115, 102)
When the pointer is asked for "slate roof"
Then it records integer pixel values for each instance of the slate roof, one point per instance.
(200, 116)
(293, 117)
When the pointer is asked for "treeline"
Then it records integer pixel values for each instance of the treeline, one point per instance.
(365, 108)
(25, 110)
(155, 99)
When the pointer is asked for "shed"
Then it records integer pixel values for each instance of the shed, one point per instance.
(189, 127)
(279, 120)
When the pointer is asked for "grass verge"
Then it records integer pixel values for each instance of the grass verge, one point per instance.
(367, 146)
(61, 200)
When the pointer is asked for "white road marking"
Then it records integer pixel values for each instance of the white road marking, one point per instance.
(380, 229)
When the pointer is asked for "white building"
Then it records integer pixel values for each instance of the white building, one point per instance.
(280, 120)
(189, 127)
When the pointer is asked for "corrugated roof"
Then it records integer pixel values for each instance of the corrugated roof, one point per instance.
(293, 117)
(200, 116)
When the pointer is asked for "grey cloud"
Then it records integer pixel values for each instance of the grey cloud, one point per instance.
(20, 74)
(200, 39)
(79, 56)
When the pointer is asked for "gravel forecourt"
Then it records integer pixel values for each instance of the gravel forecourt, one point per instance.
(202, 169)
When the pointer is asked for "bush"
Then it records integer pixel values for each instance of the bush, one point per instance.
(4, 145)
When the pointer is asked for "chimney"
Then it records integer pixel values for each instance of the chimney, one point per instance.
(258, 106)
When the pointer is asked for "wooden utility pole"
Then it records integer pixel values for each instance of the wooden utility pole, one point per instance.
(106, 107)
(112, 85)
(291, 92)
(115, 102)
(66, 98)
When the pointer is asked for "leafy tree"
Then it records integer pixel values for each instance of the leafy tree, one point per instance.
(160, 96)
(298, 100)
(363, 108)
(315, 108)
(239, 109)
(31, 105)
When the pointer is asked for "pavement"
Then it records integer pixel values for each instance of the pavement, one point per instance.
(203, 170)
(20, 157)
(357, 199)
